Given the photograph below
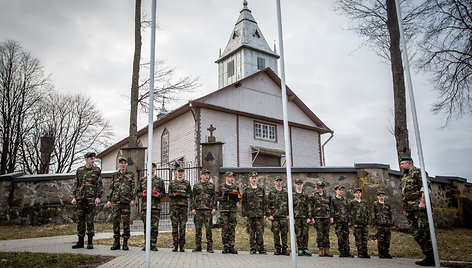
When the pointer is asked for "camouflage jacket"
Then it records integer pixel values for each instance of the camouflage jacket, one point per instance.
(412, 185)
(254, 202)
(203, 196)
(358, 212)
(277, 203)
(227, 201)
(157, 184)
(340, 209)
(122, 188)
(179, 192)
(87, 183)
(381, 214)
(322, 207)
(301, 205)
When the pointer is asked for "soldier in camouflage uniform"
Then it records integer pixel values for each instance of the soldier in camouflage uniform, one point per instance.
(322, 215)
(86, 194)
(382, 218)
(302, 215)
(158, 192)
(228, 196)
(203, 206)
(121, 199)
(254, 212)
(414, 208)
(341, 221)
(359, 220)
(179, 193)
(277, 211)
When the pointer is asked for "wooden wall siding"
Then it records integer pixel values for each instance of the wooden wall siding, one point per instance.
(223, 78)
(109, 161)
(250, 59)
(305, 148)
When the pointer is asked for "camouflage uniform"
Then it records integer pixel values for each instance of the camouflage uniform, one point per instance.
(322, 209)
(278, 208)
(179, 209)
(122, 192)
(341, 220)
(157, 184)
(87, 187)
(254, 208)
(359, 215)
(203, 201)
(411, 196)
(227, 207)
(301, 212)
(383, 220)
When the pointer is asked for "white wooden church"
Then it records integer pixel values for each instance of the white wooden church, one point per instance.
(246, 112)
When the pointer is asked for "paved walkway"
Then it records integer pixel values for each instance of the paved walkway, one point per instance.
(166, 258)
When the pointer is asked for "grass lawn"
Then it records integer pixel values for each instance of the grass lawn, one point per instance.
(11, 231)
(47, 260)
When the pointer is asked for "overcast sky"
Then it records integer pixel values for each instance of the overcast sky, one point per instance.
(87, 47)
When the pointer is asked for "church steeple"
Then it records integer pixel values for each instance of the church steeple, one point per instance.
(246, 52)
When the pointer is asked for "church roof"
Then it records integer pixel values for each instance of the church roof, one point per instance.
(246, 33)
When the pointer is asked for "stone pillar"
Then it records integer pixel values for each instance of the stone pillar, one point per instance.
(136, 157)
(212, 159)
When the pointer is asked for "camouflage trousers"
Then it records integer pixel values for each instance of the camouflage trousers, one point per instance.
(301, 232)
(280, 230)
(419, 228)
(203, 218)
(361, 233)
(121, 212)
(322, 232)
(178, 217)
(155, 216)
(228, 223)
(383, 238)
(85, 215)
(342, 232)
(256, 233)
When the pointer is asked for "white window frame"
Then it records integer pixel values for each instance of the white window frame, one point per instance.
(264, 131)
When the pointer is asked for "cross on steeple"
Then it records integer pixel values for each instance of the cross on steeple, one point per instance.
(211, 138)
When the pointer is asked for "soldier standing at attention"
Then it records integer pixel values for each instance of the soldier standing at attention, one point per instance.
(86, 193)
(359, 219)
(341, 222)
(179, 193)
(383, 220)
(228, 197)
(322, 211)
(120, 199)
(203, 206)
(158, 192)
(278, 213)
(414, 208)
(302, 215)
(254, 212)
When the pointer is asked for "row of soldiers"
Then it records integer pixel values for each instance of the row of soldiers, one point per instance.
(320, 209)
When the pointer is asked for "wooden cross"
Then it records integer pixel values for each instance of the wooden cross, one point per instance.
(211, 129)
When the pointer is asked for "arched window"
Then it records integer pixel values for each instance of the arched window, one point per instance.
(165, 146)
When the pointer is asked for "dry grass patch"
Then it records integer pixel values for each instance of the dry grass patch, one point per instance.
(28, 259)
(11, 231)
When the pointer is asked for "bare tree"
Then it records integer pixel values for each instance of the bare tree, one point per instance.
(447, 54)
(22, 81)
(133, 118)
(377, 21)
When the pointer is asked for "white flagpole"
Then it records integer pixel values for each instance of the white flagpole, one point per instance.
(288, 152)
(417, 135)
(150, 135)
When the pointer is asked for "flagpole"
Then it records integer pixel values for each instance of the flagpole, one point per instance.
(150, 136)
(418, 138)
(288, 152)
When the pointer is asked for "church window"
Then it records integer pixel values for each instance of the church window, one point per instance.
(230, 67)
(165, 146)
(265, 131)
(260, 63)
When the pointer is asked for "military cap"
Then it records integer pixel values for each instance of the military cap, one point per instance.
(229, 174)
(180, 169)
(406, 158)
(320, 184)
(357, 189)
(122, 159)
(253, 174)
(278, 179)
(205, 171)
(380, 192)
(90, 154)
(298, 181)
(339, 186)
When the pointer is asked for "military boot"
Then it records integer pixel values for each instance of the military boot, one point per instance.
(387, 254)
(176, 248)
(381, 254)
(210, 249)
(225, 249)
(232, 250)
(284, 251)
(428, 261)
(90, 242)
(277, 251)
(197, 249)
(116, 244)
(306, 252)
(125, 244)
(154, 248)
(80, 243)
(327, 253)
(182, 248)
(321, 252)
(348, 254)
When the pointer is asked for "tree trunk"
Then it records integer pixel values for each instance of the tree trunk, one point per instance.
(401, 129)
(133, 118)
